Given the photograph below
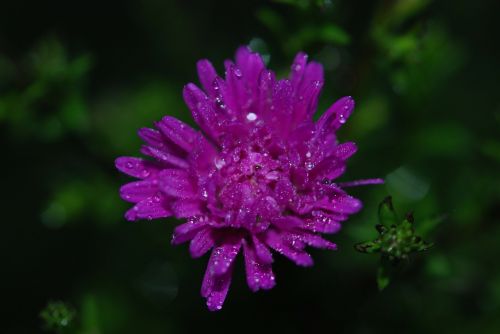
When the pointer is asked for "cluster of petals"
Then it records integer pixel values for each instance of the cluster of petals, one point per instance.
(257, 177)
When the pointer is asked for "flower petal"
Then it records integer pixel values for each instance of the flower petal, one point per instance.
(223, 256)
(207, 75)
(276, 242)
(188, 230)
(136, 167)
(149, 208)
(164, 157)
(202, 242)
(201, 109)
(345, 150)
(316, 241)
(177, 183)
(137, 191)
(342, 203)
(178, 132)
(185, 208)
(336, 115)
(262, 251)
(215, 288)
(259, 275)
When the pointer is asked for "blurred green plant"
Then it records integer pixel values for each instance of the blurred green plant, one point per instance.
(43, 94)
(58, 317)
(397, 240)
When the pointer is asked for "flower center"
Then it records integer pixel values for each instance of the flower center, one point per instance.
(245, 194)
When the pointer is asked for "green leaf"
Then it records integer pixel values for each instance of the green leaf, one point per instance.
(386, 214)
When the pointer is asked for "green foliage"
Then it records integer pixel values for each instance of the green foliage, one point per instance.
(44, 96)
(58, 317)
(397, 240)
(77, 83)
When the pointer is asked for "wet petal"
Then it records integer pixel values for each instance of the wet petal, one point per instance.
(177, 183)
(215, 288)
(188, 230)
(164, 157)
(178, 132)
(336, 115)
(136, 167)
(185, 208)
(137, 191)
(201, 109)
(202, 242)
(259, 275)
(223, 256)
(207, 75)
(276, 242)
(149, 208)
(262, 251)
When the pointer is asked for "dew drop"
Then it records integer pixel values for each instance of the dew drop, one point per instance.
(219, 163)
(251, 116)
(237, 73)
(130, 165)
(308, 154)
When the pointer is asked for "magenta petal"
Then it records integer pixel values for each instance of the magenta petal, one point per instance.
(336, 115)
(178, 132)
(298, 69)
(201, 109)
(136, 167)
(166, 158)
(330, 168)
(137, 191)
(251, 65)
(316, 241)
(284, 192)
(259, 275)
(313, 72)
(323, 223)
(152, 137)
(177, 183)
(185, 208)
(187, 231)
(149, 208)
(262, 251)
(207, 75)
(343, 204)
(275, 241)
(202, 157)
(364, 182)
(202, 242)
(345, 150)
(288, 222)
(223, 256)
(215, 288)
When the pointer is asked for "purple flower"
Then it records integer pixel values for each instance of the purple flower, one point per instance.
(258, 176)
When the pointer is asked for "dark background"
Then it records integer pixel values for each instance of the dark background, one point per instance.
(79, 78)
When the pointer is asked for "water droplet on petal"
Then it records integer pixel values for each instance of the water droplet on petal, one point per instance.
(251, 116)
(219, 163)
(237, 73)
